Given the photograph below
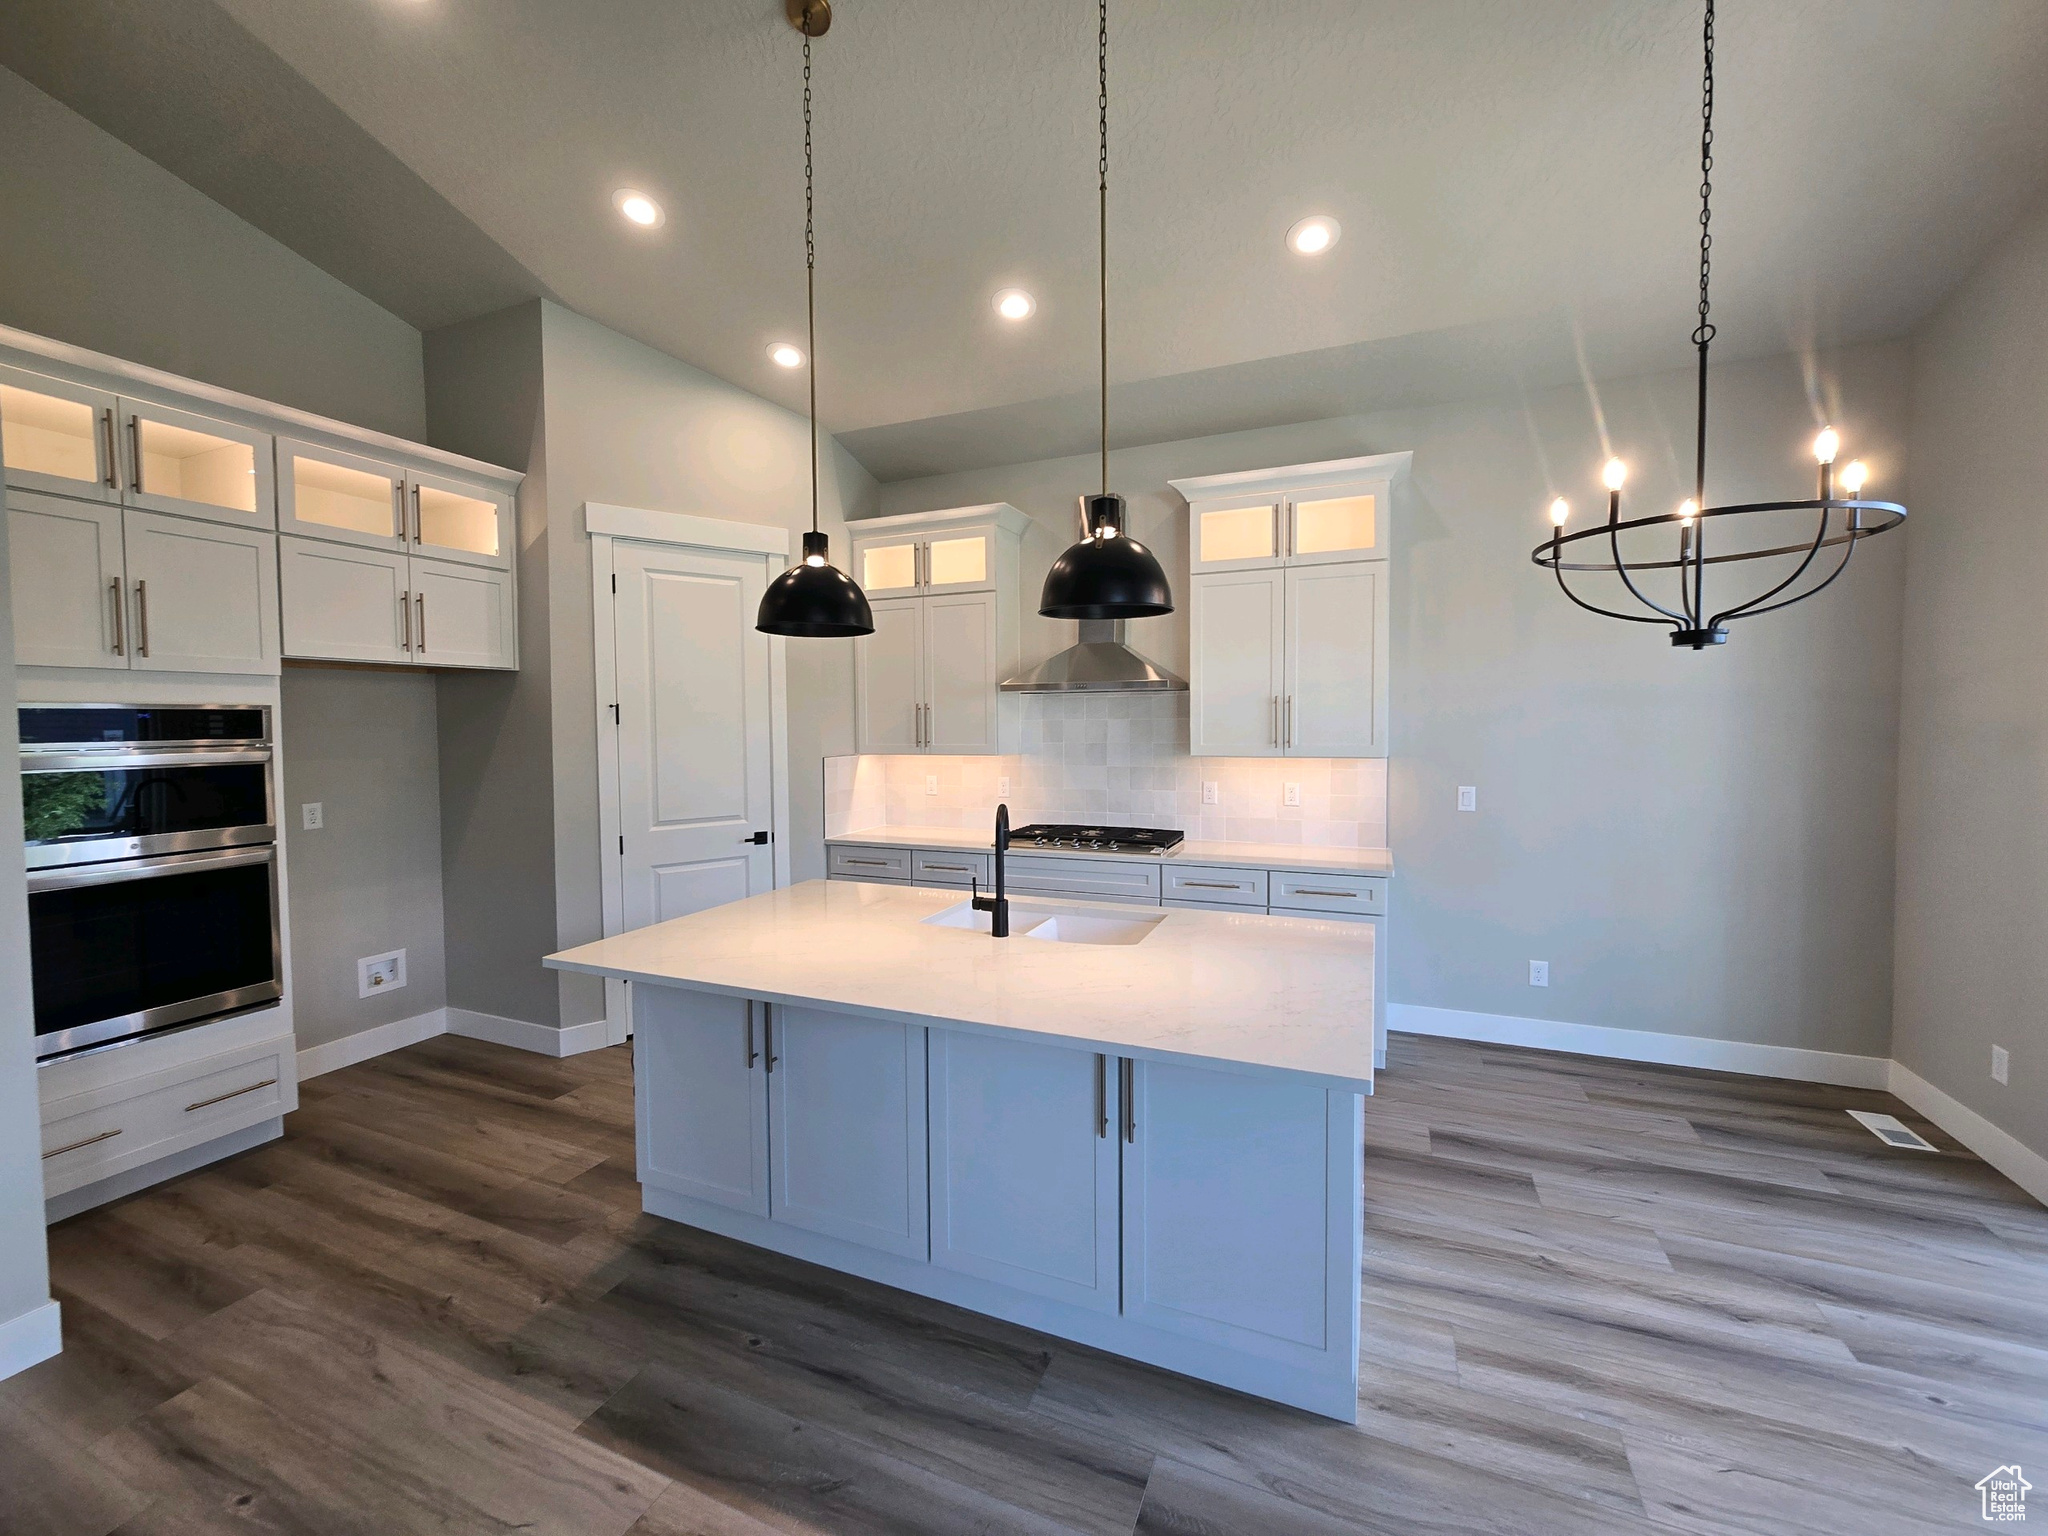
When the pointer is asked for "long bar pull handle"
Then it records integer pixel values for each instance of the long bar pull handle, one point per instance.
(135, 455)
(418, 532)
(405, 621)
(141, 618)
(113, 457)
(768, 1034)
(420, 644)
(1273, 719)
(1101, 1097)
(1127, 1084)
(88, 1142)
(120, 626)
(222, 1098)
(1290, 722)
(752, 1054)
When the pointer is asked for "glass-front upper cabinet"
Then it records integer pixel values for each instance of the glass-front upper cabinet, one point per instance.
(459, 520)
(340, 496)
(1338, 522)
(889, 567)
(57, 436)
(1236, 533)
(199, 467)
(959, 559)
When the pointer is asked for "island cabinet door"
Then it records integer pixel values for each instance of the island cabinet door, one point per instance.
(1241, 1212)
(1024, 1166)
(701, 1085)
(846, 1112)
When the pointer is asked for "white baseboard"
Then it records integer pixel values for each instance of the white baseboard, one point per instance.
(350, 1049)
(541, 1039)
(2011, 1157)
(30, 1338)
(1645, 1045)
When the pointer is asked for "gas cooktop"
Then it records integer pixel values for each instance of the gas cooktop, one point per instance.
(1062, 834)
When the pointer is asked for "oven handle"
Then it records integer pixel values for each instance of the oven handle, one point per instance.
(73, 876)
(71, 762)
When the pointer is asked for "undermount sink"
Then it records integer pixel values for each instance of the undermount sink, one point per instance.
(1059, 925)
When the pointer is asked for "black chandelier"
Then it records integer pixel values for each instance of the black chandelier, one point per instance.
(1841, 521)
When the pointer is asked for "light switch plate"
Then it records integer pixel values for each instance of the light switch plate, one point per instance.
(1290, 794)
(931, 783)
(1539, 973)
(1468, 797)
(1209, 795)
(313, 815)
(380, 973)
(2001, 1064)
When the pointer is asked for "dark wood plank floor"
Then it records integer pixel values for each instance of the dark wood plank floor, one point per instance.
(1599, 1298)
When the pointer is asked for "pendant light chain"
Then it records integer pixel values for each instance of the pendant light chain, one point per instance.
(1102, 213)
(1694, 600)
(810, 284)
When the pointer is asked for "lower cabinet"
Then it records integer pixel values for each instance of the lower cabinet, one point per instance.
(348, 602)
(703, 1096)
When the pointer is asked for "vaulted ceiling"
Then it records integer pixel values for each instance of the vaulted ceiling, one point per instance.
(1516, 183)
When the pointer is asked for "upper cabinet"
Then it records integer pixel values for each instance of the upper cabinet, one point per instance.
(196, 466)
(57, 436)
(1288, 609)
(944, 589)
(328, 494)
(460, 520)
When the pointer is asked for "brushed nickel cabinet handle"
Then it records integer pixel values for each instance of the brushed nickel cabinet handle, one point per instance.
(135, 457)
(74, 1146)
(120, 628)
(405, 621)
(1214, 885)
(1305, 890)
(113, 456)
(877, 863)
(141, 618)
(398, 507)
(420, 599)
(1290, 721)
(222, 1098)
(1275, 722)
(417, 533)
(958, 869)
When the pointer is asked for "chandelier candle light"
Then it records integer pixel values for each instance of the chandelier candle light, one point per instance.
(1843, 520)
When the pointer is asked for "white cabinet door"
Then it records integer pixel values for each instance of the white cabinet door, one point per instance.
(1024, 1166)
(327, 494)
(702, 1096)
(203, 595)
(960, 560)
(888, 678)
(1237, 1194)
(344, 602)
(960, 673)
(1337, 629)
(889, 566)
(1337, 523)
(58, 436)
(1235, 533)
(846, 1110)
(461, 615)
(459, 520)
(198, 467)
(1237, 644)
(70, 606)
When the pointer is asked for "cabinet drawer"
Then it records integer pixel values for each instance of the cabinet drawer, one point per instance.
(90, 1136)
(1232, 887)
(1104, 880)
(856, 863)
(1328, 893)
(932, 868)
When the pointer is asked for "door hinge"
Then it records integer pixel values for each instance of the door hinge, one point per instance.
(622, 843)
(617, 718)
(615, 582)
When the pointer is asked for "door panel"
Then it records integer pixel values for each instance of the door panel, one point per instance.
(694, 771)
(960, 690)
(70, 602)
(461, 615)
(702, 1096)
(1337, 630)
(344, 603)
(58, 436)
(888, 681)
(1024, 1166)
(327, 494)
(203, 596)
(846, 1108)
(1227, 1211)
(199, 467)
(1237, 641)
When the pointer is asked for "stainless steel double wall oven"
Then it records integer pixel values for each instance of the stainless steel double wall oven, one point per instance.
(152, 867)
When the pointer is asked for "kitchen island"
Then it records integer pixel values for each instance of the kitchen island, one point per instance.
(1140, 1130)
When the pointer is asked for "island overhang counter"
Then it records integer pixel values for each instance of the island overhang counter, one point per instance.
(1152, 1147)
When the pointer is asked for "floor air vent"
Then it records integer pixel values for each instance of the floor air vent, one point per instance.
(1891, 1131)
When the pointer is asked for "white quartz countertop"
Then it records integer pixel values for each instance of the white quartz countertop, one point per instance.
(1280, 994)
(1287, 856)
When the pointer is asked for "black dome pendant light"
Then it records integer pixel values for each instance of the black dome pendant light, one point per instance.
(1109, 574)
(813, 598)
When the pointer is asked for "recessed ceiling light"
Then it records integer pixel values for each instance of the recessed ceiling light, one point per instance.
(1014, 304)
(783, 355)
(639, 208)
(1313, 236)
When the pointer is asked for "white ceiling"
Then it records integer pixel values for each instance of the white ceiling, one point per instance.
(1515, 182)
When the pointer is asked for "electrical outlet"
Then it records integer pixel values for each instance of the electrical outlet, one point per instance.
(313, 815)
(2001, 1064)
(931, 783)
(1539, 973)
(1002, 786)
(1209, 793)
(380, 973)
(1468, 797)
(1290, 794)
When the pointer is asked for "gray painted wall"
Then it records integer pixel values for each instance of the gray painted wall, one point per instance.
(1973, 843)
(604, 419)
(105, 249)
(362, 743)
(1699, 844)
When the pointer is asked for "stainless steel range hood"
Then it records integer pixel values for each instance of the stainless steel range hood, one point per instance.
(1101, 663)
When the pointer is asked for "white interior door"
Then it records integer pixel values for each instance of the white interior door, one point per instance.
(695, 773)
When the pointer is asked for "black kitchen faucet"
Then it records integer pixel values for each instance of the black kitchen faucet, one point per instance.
(998, 905)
